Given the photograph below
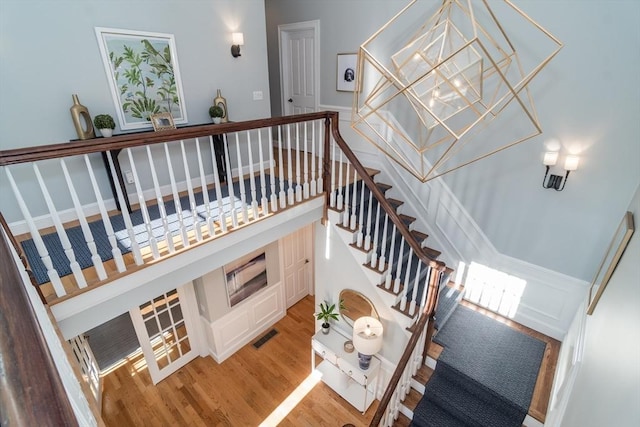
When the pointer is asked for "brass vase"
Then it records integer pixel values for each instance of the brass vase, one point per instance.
(221, 102)
(80, 113)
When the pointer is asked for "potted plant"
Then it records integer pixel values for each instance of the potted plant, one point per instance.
(217, 113)
(105, 123)
(327, 312)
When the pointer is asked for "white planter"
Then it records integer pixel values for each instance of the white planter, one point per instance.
(217, 120)
(106, 132)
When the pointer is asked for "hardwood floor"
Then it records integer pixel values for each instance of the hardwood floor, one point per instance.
(242, 391)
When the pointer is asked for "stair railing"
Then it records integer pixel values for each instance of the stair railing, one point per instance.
(422, 331)
(173, 172)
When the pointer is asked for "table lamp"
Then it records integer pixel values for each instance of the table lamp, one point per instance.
(367, 339)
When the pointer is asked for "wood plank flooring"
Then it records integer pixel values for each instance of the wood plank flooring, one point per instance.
(242, 391)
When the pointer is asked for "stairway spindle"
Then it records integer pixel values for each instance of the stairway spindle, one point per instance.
(353, 218)
(205, 192)
(86, 230)
(116, 253)
(305, 164)
(334, 189)
(243, 190)
(414, 291)
(321, 159)
(339, 198)
(176, 199)
(196, 219)
(291, 189)
(383, 250)
(374, 250)
(367, 237)
(273, 177)
(313, 185)
(360, 239)
(396, 282)
(405, 286)
(153, 243)
(387, 284)
(345, 214)
(282, 195)
(222, 218)
(252, 178)
(163, 212)
(298, 191)
(264, 202)
(230, 187)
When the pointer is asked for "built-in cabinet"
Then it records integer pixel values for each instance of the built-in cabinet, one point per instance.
(341, 372)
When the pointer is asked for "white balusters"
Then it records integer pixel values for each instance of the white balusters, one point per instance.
(387, 283)
(163, 212)
(298, 186)
(313, 184)
(290, 190)
(353, 219)
(230, 186)
(252, 178)
(135, 247)
(383, 250)
(332, 197)
(425, 288)
(345, 214)
(52, 273)
(305, 169)
(360, 237)
(273, 177)
(176, 199)
(321, 155)
(367, 237)
(407, 273)
(282, 194)
(115, 250)
(243, 190)
(414, 292)
(86, 231)
(374, 250)
(143, 207)
(205, 191)
(222, 218)
(396, 282)
(197, 221)
(264, 202)
(339, 198)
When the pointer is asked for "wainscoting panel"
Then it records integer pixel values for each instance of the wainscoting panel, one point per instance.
(247, 320)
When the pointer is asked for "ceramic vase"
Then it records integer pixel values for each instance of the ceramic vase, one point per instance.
(80, 114)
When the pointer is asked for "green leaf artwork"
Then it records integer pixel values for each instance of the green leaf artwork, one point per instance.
(142, 68)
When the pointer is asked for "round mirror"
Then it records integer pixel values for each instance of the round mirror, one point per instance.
(355, 305)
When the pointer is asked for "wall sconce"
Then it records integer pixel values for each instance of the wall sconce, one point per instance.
(237, 40)
(555, 181)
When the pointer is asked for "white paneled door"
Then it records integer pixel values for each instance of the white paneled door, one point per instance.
(297, 255)
(299, 65)
(166, 331)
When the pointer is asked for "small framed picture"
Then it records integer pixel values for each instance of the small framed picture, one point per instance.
(346, 74)
(162, 121)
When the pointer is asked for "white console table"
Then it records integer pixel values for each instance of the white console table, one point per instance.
(341, 372)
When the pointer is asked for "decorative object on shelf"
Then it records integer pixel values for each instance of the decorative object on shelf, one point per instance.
(555, 181)
(348, 346)
(221, 102)
(143, 74)
(162, 121)
(105, 124)
(246, 276)
(327, 312)
(346, 74)
(610, 261)
(443, 79)
(367, 339)
(216, 112)
(237, 40)
(79, 114)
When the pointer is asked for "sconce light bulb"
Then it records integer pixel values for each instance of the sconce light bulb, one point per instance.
(550, 158)
(571, 163)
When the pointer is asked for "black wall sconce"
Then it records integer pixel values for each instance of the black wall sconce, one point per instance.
(237, 40)
(557, 182)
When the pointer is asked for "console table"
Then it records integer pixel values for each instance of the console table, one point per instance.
(341, 372)
(218, 143)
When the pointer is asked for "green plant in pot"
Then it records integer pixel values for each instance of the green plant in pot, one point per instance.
(105, 123)
(327, 312)
(217, 113)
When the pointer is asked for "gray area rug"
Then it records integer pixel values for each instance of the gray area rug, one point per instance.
(489, 352)
(113, 341)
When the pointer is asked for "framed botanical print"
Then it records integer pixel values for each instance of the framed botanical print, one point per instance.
(143, 75)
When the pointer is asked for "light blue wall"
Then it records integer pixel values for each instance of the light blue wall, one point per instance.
(586, 98)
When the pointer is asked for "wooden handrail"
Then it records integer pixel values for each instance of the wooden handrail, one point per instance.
(31, 391)
(119, 142)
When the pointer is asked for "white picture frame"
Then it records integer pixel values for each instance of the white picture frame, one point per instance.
(143, 75)
(346, 75)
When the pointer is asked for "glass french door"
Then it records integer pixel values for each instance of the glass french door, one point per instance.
(166, 332)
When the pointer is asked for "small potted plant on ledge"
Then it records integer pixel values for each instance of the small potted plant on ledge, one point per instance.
(327, 312)
(216, 112)
(105, 124)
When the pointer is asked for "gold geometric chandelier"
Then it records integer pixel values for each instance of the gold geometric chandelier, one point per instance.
(442, 89)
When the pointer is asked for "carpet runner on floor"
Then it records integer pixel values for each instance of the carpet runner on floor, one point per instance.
(485, 375)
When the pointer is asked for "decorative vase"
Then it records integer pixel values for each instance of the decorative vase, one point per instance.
(106, 132)
(221, 102)
(80, 113)
(364, 360)
(325, 328)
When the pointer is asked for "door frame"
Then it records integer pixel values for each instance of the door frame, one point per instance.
(283, 29)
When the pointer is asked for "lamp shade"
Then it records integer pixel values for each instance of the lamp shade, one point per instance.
(367, 335)
(571, 163)
(550, 158)
(237, 38)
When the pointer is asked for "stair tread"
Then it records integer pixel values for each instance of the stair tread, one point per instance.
(412, 399)
(395, 203)
(429, 414)
(383, 187)
(420, 236)
(423, 374)
(468, 407)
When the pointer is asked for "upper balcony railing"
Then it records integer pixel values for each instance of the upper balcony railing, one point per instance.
(181, 188)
